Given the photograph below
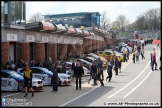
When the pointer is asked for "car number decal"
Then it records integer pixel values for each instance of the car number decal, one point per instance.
(5, 83)
(40, 77)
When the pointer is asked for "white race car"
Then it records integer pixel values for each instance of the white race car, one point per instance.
(12, 81)
(46, 76)
(69, 71)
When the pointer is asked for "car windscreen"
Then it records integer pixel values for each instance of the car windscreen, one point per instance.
(13, 73)
(85, 61)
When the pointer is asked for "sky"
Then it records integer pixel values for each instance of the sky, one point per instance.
(131, 9)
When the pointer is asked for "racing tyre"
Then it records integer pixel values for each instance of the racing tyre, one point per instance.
(21, 86)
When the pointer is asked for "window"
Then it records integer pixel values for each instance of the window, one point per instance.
(4, 75)
(37, 71)
(107, 53)
(21, 71)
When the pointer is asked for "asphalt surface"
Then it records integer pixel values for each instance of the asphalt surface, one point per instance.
(136, 85)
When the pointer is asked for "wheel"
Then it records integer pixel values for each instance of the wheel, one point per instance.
(21, 86)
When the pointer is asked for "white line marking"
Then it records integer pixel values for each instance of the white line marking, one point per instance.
(12, 94)
(79, 96)
(142, 80)
(129, 82)
(123, 68)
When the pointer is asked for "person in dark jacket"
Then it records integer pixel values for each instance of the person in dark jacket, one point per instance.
(78, 73)
(21, 64)
(53, 69)
(97, 77)
(134, 56)
(39, 64)
(74, 64)
(109, 71)
(116, 64)
(33, 64)
(160, 66)
(28, 80)
(120, 63)
(93, 72)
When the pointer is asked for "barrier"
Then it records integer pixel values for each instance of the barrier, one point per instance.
(156, 41)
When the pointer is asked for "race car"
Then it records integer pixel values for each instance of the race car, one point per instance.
(69, 71)
(46, 76)
(11, 81)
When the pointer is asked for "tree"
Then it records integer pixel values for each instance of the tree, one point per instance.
(114, 27)
(36, 18)
(104, 22)
(121, 19)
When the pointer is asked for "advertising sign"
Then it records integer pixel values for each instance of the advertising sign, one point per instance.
(11, 37)
(44, 39)
(30, 38)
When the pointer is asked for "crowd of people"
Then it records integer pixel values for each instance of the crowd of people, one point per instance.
(96, 69)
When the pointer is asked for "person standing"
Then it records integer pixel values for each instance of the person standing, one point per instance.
(53, 69)
(74, 64)
(109, 71)
(127, 53)
(59, 67)
(39, 64)
(134, 56)
(28, 80)
(160, 65)
(97, 77)
(124, 55)
(116, 63)
(154, 62)
(119, 63)
(21, 64)
(142, 53)
(100, 66)
(78, 73)
(137, 56)
(93, 70)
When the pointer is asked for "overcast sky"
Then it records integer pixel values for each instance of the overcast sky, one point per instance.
(130, 9)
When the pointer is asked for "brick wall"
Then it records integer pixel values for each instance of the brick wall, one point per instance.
(85, 45)
(49, 51)
(94, 44)
(63, 50)
(54, 52)
(78, 48)
(23, 52)
(4, 53)
(39, 52)
(89, 45)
